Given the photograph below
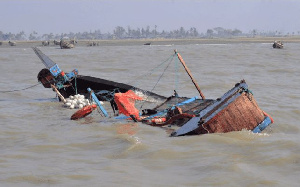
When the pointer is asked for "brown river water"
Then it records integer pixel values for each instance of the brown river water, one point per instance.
(41, 146)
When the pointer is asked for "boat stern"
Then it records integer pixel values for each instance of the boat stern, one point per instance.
(235, 111)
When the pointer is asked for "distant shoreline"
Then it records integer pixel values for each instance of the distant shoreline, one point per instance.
(164, 41)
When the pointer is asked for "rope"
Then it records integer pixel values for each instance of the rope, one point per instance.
(110, 95)
(20, 89)
(160, 76)
(142, 76)
(157, 82)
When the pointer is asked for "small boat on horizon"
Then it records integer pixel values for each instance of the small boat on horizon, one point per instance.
(12, 43)
(278, 45)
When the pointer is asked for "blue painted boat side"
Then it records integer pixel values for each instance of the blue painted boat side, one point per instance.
(266, 122)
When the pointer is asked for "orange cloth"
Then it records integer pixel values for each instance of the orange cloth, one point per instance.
(125, 102)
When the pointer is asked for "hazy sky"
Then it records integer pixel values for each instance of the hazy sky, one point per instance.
(64, 16)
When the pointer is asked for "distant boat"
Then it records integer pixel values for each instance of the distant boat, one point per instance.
(12, 43)
(148, 43)
(55, 42)
(278, 44)
(66, 43)
(45, 43)
(93, 43)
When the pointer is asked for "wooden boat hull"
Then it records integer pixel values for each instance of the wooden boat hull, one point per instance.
(235, 111)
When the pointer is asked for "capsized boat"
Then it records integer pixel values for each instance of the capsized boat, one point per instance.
(234, 111)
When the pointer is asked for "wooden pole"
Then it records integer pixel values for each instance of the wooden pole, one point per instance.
(58, 93)
(189, 73)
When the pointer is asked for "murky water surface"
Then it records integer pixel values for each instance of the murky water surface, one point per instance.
(41, 146)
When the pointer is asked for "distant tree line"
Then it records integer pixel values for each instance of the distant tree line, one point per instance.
(142, 33)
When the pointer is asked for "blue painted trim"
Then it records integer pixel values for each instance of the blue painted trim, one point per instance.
(122, 116)
(259, 128)
(97, 102)
(188, 101)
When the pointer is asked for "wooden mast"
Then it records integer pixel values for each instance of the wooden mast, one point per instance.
(189, 73)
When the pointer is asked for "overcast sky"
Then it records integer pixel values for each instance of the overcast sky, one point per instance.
(64, 16)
